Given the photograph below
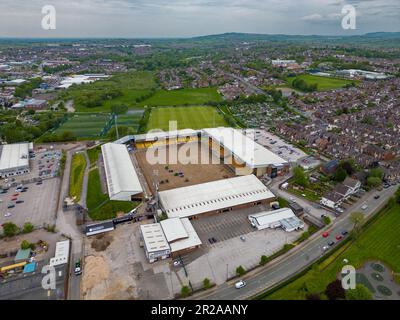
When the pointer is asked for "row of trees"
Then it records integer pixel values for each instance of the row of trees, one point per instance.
(303, 86)
(10, 229)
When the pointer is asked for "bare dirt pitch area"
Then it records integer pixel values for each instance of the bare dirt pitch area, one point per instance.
(175, 174)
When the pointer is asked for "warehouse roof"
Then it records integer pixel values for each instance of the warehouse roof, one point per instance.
(243, 147)
(14, 156)
(153, 237)
(120, 172)
(173, 229)
(192, 239)
(211, 196)
(268, 217)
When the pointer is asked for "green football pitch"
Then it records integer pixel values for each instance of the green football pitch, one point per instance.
(194, 117)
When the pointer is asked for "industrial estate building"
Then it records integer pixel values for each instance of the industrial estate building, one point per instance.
(282, 218)
(170, 237)
(14, 159)
(122, 180)
(214, 197)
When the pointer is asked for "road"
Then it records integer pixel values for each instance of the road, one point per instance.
(301, 257)
(66, 224)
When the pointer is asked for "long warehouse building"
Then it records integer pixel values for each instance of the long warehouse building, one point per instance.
(122, 180)
(214, 197)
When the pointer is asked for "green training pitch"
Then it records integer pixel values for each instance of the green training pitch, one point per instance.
(194, 117)
(324, 83)
(90, 125)
(182, 97)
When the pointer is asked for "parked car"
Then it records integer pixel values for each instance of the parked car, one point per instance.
(344, 232)
(364, 207)
(177, 263)
(339, 237)
(19, 201)
(325, 234)
(240, 284)
(325, 248)
(11, 205)
(377, 196)
(331, 243)
(243, 238)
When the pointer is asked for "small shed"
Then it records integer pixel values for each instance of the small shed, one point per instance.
(22, 255)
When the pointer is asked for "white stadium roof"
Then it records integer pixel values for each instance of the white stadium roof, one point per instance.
(122, 179)
(211, 196)
(243, 147)
(14, 156)
(155, 135)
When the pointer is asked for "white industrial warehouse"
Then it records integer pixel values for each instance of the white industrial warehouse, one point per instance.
(170, 237)
(214, 197)
(282, 218)
(122, 180)
(14, 159)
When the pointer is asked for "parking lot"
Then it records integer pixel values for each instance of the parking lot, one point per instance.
(219, 261)
(38, 207)
(276, 145)
(225, 226)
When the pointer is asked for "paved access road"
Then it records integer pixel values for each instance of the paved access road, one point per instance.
(298, 259)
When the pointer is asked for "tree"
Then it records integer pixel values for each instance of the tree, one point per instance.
(25, 245)
(263, 260)
(28, 227)
(361, 292)
(10, 229)
(300, 177)
(185, 291)
(374, 181)
(335, 291)
(206, 283)
(119, 108)
(240, 271)
(357, 218)
(327, 220)
(340, 174)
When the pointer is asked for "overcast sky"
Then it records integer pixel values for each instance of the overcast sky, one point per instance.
(183, 18)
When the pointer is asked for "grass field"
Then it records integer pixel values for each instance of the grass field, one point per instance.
(132, 85)
(93, 155)
(324, 83)
(84, 125)
(90, 125)
(194, 117)
(78, 165)
(182, 97)
(380, 241)
(99, 205)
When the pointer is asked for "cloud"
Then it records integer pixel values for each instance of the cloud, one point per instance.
(152, 18)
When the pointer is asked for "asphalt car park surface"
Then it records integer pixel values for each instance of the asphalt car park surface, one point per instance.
(38, 207)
